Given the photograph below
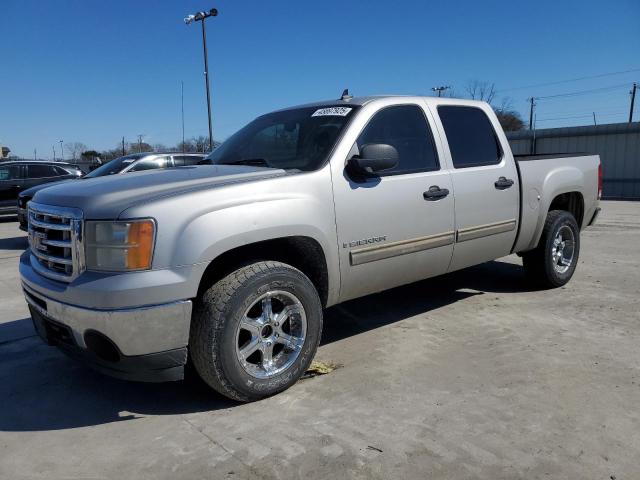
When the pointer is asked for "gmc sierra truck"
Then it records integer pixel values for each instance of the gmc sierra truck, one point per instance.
(227, 267)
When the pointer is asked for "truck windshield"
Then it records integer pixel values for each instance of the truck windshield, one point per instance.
(299, 138)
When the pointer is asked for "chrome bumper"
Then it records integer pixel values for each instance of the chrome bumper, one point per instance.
(134, 331)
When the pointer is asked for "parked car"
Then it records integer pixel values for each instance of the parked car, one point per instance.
(129, 163)
(16, 176)
(231, 264)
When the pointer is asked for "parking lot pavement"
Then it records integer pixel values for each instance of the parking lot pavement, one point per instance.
(471, 375)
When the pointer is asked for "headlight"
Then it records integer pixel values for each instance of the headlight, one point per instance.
(119, 246)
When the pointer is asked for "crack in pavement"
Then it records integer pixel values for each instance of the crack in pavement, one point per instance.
(230, 452)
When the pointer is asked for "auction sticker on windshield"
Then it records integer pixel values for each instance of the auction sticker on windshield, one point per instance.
(332, 111)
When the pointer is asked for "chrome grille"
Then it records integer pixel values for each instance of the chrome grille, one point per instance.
(55, 241)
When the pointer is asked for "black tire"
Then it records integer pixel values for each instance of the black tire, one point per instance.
(539, 264)
(217, 313)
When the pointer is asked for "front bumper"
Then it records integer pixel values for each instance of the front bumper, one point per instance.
(145, 343)
(22, 218)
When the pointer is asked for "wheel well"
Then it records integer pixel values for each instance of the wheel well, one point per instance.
(571, 202)
(303, 253)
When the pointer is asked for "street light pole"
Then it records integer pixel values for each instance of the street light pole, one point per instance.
(61, 152)
(200, 17)
(182, 108)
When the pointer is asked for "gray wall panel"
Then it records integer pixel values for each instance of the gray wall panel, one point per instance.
(618, 145)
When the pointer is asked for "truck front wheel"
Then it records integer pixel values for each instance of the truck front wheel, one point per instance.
(255, 332)
(553, 262)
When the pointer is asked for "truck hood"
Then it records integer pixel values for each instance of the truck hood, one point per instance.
(30, 192)
(106, 197)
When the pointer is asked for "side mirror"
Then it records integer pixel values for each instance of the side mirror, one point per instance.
(374, 157)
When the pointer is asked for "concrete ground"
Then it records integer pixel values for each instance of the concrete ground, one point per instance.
(471, 375)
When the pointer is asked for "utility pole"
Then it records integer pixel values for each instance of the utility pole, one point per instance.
(123, 151)
(200, 17)
(140, 143)
(54, 152)
(533, 138)
(61, 152)
(440, 89)
(35, 153)
(182, 107)
(533, 104)
(594, 118)
(633, 100)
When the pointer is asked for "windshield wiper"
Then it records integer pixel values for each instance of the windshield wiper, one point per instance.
(255, 162)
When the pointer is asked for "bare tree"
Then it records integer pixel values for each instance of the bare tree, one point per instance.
(201, 143)
(479, 90)
(160, 147)
(451, 93)
(509, 118)
(75, 149)
(140, 147)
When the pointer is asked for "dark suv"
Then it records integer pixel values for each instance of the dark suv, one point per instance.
(136, 162)
(16, 176)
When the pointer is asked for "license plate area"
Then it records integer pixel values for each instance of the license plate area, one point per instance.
(52, 332)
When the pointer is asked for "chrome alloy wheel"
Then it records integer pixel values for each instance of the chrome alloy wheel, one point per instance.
(271, 334)
(562, 249)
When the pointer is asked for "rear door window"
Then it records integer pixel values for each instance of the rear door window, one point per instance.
(472, 140)
(41, 171)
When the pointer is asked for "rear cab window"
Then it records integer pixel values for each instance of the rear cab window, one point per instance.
(150, 164)
(186, 160)
(472, 140)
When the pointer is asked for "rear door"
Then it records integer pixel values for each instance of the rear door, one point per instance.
(11, 183)
(389, 232)
(485, 181)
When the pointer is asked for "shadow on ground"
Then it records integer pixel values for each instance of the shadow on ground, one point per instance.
(41, 389)
(14, 243)
(8, 218)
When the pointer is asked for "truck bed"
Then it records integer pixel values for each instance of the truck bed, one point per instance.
(544, 177)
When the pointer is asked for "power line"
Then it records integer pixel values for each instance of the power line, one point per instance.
(589, 107)
(579, 116)
(583, 92)
(559, 82)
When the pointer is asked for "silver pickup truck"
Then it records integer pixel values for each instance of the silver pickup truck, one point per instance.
(228, 267)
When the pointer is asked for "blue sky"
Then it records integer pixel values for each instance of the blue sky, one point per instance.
(92, 71)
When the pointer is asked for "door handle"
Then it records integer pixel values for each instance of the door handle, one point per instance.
(503, 183)
(435, 193)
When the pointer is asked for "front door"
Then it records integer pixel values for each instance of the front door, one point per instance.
(390, 232)
(485, 180)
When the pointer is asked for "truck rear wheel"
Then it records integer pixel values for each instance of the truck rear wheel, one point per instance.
(255, 332)
(553, 262)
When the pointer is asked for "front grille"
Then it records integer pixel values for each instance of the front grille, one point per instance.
(55, 240)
